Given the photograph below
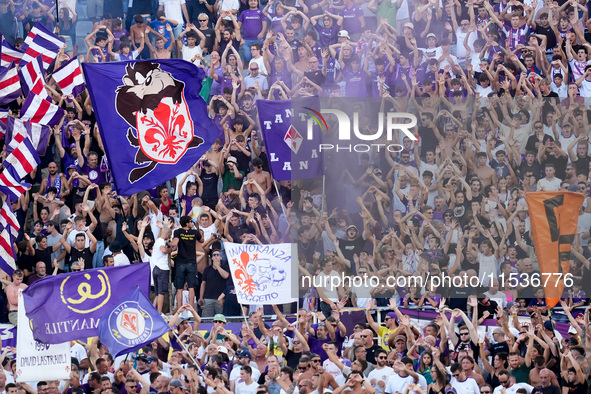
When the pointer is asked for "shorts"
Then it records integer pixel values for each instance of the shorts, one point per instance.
(186, 273)
(13, 317)
(160, 281)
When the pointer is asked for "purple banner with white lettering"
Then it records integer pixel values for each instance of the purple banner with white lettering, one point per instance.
(69, 306)
(292, 131)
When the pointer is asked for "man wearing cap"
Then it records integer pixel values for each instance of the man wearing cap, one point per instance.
(214, 284)
(119, 257)
(231, 175)
(242, 360)
(384, 332)
(352, 244)
(177, 387)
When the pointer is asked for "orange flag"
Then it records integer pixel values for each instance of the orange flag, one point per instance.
(553, 217)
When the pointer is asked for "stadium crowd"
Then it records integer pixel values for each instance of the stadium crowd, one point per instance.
(499, 93)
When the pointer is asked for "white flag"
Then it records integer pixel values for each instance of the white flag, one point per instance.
(261, 273)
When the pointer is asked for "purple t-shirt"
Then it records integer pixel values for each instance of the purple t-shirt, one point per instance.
(95, 175)
(356, 82)
(276, 22)
(216, 86)
(188, 202)
(117, 34)
(351, 21)
(252, 23)
(327, 35)
(95, 52)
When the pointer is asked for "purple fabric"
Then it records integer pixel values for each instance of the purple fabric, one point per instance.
(252, 23)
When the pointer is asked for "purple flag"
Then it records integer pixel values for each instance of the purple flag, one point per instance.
(40, 109)
(285, 132)
(79, 300)
(130, 324)
(152, 121)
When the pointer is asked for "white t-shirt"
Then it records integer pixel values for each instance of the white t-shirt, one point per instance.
(488, 266)
(585, 88)
(121, 259)
(554, 184)
(189, 53)
(153, 220)
(72, 238)
(380, 375)
(335, 371)
(173, 9)
(330, 292)
(235, 375)
(468, 386)
(397, 383)
(208, 231)
(78, 352)
(514, 388)
(158, 258)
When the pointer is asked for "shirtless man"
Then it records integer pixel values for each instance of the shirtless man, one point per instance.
(263, 178)
(486, 174)
(12, 295)
(540, 370)
(160, 52)
(56, 180)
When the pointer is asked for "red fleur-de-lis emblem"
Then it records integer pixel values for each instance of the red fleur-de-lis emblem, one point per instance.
(164, 134)
(293, 139)
(129, 321)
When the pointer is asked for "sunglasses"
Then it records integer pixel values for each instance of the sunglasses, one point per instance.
(254, 69)
(202, 20)
(315, 361)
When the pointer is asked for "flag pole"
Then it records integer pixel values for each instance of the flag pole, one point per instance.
(280, 200)
(188, 353)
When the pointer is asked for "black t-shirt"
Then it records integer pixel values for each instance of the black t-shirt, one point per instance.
(209, 39)
(242, 159)
(25, 262)
(547, 390)
(210, 185)
(575, 388)
(86, 254)
(292, 359)
(214, 283)
(349, 248)
(231, 305)
(582, 164)
(44, 255)
(187, 246)
(428, 139)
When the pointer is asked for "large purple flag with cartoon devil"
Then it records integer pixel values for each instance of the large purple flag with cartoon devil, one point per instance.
(152, 121)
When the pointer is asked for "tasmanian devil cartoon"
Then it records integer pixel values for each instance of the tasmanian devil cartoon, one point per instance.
(152, 102)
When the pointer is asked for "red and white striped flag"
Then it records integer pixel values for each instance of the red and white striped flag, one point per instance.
(40, 109)
(69, 78)
(7, 262)
(39, 134)
(32, 78)
(24, 158)
(41, 41)
(10, 55)
(10, 85)
(10, 186)
(8, 218)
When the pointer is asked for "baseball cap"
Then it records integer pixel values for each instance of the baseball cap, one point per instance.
(343, 33)
(352, 227)
(220, 317)
(222, 349)
(572, 330)
(409, 25)
(177, 383)
(431, 35)
(152, 359)
(377, 171)
(400, 338)
(243, 353)
(548, 325)
(392, 315)
(232, 159)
